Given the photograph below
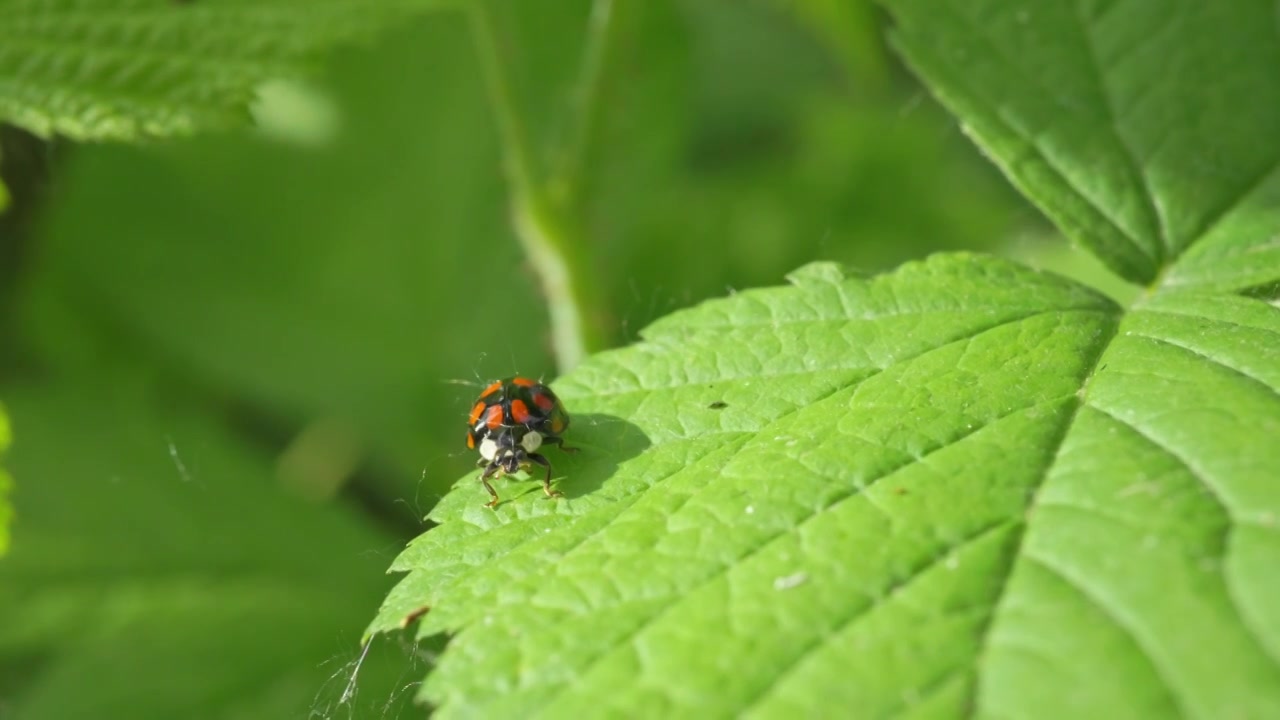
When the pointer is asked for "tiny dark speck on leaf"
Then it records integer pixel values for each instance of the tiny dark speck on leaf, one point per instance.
(900, 491)
(718, 405)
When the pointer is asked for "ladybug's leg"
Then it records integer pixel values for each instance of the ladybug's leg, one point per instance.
(559, 442)
(546, 480)
(484, 479)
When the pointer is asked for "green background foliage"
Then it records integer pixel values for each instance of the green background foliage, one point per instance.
(131, 69)
(236, 364)
(5, 484)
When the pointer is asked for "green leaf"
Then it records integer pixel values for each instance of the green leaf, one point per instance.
(779, 158)
(129, 69)
(1140, 128)
(6, 484)
(922, 490)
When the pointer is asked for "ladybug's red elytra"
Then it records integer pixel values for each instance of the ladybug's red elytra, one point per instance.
(511, 419)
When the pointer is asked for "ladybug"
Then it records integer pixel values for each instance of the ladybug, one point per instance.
(511, 419)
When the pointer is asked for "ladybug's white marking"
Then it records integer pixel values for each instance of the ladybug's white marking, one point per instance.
(488, 448)
(531, 441)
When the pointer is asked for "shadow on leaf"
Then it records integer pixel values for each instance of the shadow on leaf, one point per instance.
(602, 443)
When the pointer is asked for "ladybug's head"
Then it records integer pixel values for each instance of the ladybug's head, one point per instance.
(510, 450)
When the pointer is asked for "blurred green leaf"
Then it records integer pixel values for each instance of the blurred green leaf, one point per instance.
(1139, 127)
(767, 161)
(849, 30)
(870, 187)
(129, 69)
(6, 484)
(158, 571)
(886, 494)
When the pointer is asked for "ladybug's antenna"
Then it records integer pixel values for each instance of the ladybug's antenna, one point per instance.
(511, 351)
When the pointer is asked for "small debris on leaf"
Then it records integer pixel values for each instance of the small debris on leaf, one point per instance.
(411, 617)
(787, 582)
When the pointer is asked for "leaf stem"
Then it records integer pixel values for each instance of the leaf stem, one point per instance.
(516, 155)
(585, 98)
(545, 221)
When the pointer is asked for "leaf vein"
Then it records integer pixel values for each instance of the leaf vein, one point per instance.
(1230, 323)
(837, 368)
(1212, 360)
(1094, 67)
(1215, 217)
(1032, 498)
(1032, 145)
(684, 329)
(794, 663)
(1227, 539)
(1197, 475)
(1096, 601)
